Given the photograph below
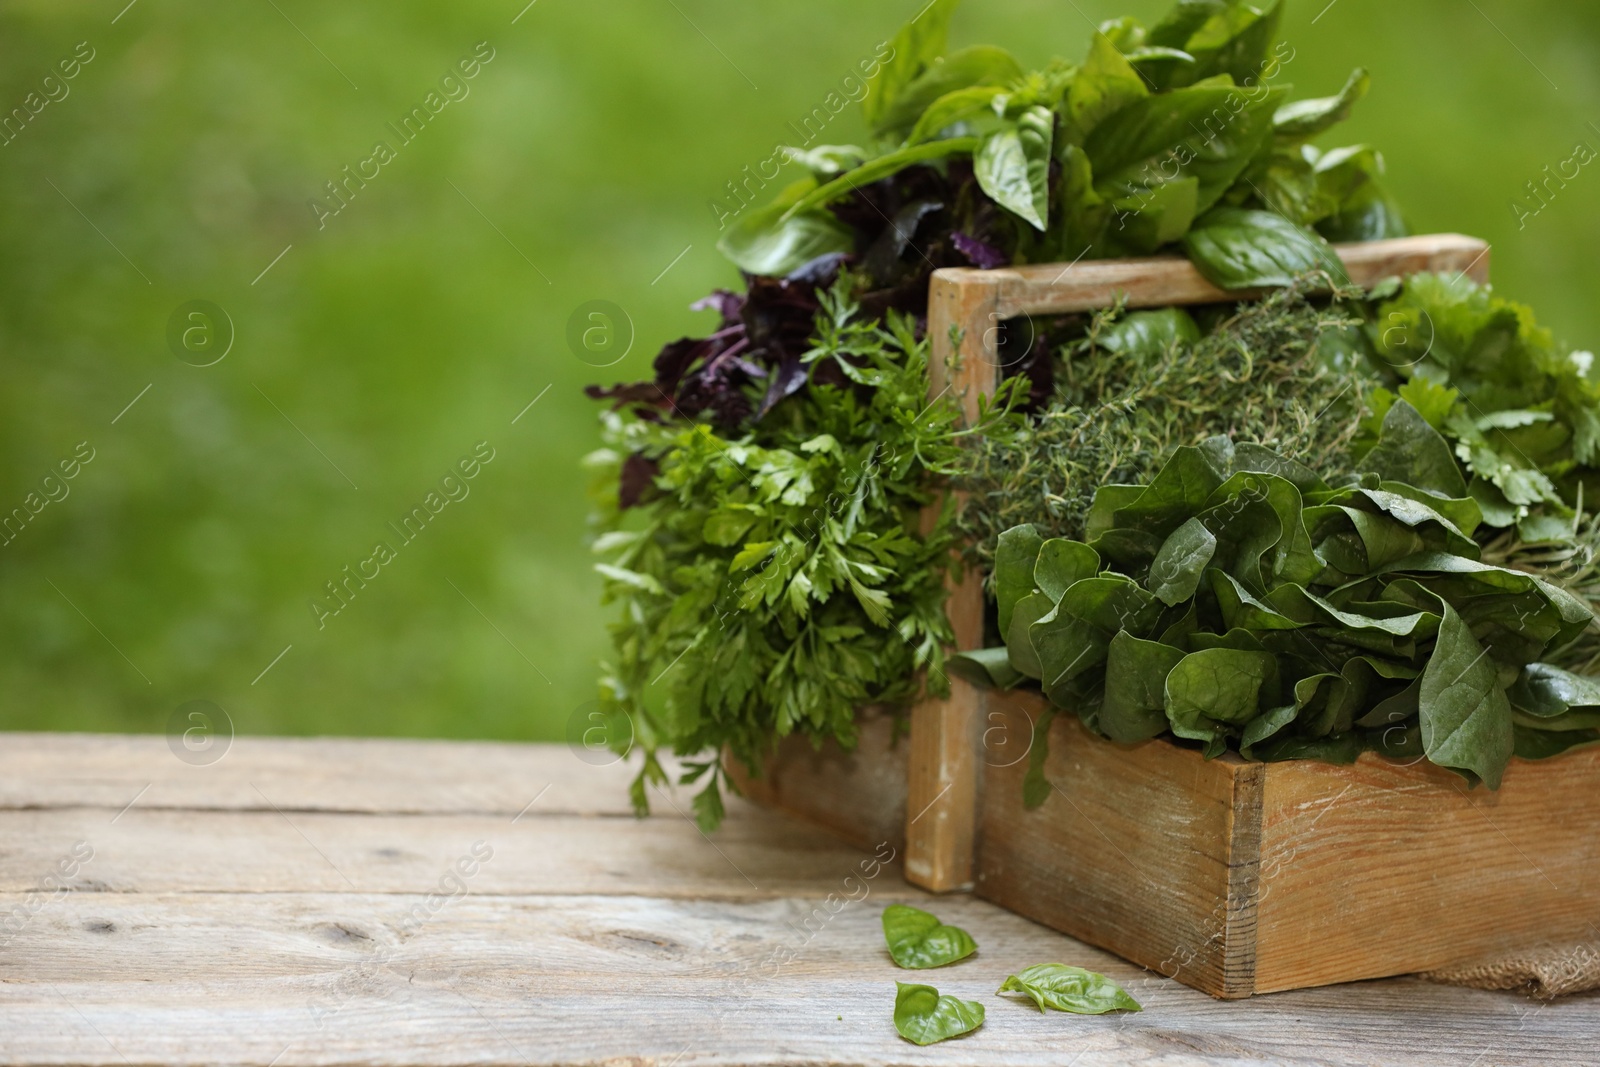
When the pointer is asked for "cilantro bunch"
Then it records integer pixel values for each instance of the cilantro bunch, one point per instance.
(1522, 411)
(770, 582)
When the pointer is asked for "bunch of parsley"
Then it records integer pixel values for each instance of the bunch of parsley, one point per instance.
(772, 582)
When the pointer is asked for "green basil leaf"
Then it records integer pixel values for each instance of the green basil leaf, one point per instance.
(980, 65)
(923, 1017)
(1240, 249)
(1189, 133)
(919, 940)
(1015, 555)
(1305, 119)
(876, 170)
(1466, 718)
(1234, 42)
(1104, 85)
(1134, 708)
(1013, 166)
(1071, 989)
(913, 50)
(1155, 217)
(951, 109)
(780, 238)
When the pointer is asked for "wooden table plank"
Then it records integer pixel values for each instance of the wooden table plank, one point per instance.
(211, 928)
(308, 774)
(332, 978)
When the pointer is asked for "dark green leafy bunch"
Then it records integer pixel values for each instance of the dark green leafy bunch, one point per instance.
(1176, 134)
(770, 583)
(1133, 387)
(1239, 601)
(1522, 411)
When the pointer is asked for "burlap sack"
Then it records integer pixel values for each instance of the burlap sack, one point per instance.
(1546, 972)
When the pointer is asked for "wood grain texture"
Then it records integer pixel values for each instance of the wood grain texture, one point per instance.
(207, 934)
(352, 979)
(1135, 851)
(1380, 869)
(944, 774)
(306, 774)
(860, 796)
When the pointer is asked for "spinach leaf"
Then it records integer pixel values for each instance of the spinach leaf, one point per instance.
(1216, 686)
(1070, 989)
(1466, 718)
(1175, 574)
(1411, 451)
(1035, 786)
(1062, 564)
(1545, 691)
(1134, 708)
(923, 1017)
(919, 940)
(1014, 561)
(1237, 248)
(986, 667)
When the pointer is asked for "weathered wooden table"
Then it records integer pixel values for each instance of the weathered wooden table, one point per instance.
(345, 902)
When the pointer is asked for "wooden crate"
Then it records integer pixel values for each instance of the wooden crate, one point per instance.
(1235, 877)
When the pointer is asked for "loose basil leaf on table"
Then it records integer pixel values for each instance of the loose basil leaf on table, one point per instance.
(1070, 989)
(923, 1017)
(918, 940)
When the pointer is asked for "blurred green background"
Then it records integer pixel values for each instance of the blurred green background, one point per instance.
(425, 316)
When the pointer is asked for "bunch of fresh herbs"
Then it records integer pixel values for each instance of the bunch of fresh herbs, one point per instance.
(773, 581)
(1239, 601)
(1280, 371)
(1167, 135)
(1522, 410)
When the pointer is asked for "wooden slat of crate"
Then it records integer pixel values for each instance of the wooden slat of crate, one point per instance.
(1242, 878)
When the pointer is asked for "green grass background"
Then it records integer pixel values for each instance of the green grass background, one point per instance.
(412, 326)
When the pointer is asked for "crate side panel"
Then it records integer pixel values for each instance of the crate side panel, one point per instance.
(1131, 853)
(1380, 869)
(859, 796)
